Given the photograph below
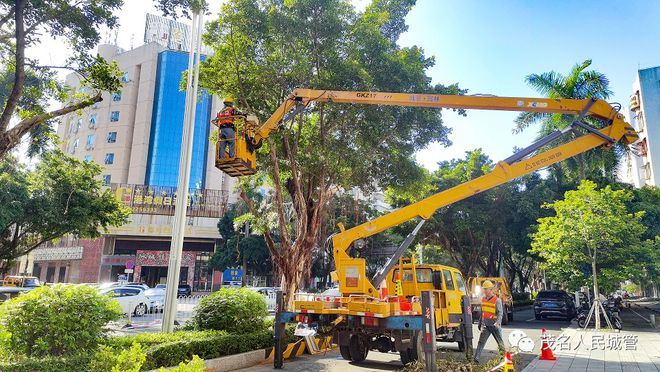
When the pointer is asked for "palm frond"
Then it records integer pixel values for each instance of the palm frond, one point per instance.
(574, 77)
(525, 119)
(547, 83)
(594, 84)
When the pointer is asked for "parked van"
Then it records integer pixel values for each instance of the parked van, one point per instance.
(501, 290)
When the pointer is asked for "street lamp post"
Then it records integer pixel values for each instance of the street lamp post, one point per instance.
(181, 205)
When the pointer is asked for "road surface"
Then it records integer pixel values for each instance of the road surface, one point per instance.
(376, 361)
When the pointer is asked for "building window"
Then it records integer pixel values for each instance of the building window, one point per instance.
(88, 158)
(116, 97)
(109, 158)
(90, 141)
(78, 125)
(50, 274)
(112, 137)
(647, 171)
(106, 180)
(124, 78)
(92, 120)
(114, 116)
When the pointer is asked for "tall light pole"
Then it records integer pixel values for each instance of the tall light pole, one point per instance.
(181, 205)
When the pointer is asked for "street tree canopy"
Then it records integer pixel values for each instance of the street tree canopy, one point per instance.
(265, 49)
(62, 196)
(591, 221)
(27, 86)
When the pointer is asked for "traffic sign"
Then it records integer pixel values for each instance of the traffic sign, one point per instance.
(128, 271)
(232, 275)
(130, 264)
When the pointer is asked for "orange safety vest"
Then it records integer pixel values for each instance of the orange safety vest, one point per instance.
(489, 307)
(225, 117)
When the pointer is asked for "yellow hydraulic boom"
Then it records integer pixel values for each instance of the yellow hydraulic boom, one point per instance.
(352, 271)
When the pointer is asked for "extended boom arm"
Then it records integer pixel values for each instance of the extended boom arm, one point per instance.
(351, 271)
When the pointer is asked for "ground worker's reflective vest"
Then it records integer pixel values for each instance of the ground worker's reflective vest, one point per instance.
(489, 307)
(225, 117)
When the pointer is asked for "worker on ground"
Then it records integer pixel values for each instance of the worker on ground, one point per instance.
(225, 120)
(490, 322)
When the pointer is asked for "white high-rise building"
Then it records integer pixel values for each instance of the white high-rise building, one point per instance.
(644, 115)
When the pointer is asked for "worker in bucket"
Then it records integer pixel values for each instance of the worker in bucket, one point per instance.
(225, 119)
(490, 322)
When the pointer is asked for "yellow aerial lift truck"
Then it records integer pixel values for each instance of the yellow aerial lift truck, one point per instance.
(364, 319)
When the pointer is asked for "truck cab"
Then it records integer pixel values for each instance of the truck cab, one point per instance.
(446, 281)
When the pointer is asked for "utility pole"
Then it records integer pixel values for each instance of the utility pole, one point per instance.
(181, 205)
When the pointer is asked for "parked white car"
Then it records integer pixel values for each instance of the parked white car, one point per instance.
(131, 299)
(156, 299)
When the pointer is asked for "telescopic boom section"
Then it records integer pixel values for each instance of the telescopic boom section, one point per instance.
(351, 272)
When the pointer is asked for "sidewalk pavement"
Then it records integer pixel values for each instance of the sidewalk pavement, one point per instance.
(587, 351)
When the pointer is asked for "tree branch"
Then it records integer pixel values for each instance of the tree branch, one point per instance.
(19, 73)
(279, 207)
(12, 137)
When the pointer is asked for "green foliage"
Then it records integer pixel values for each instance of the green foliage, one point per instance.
(647, 199)
(77, 24)
(151, 339)
(237, 247)
(580, 83)
(129, 360)
(72, 363)
(58, 320)
(589, 222)
(173, 353)
(61, 196)
(265, 49)
(235, 310)
(195, 365)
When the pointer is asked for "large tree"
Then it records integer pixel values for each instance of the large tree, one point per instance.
(580, 83)
(591, 223)
(61, 196)
(27, 86)
(264, 49)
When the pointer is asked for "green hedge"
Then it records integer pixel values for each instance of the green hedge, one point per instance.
(49, 364)
(173, 353)
(151, 339)
(162, 350)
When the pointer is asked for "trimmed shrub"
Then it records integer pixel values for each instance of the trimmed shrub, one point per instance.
(57, 321)
(74, 363)
(173, 353)
(195, 365)
(235, 310)
(150, 339)
(129, 360)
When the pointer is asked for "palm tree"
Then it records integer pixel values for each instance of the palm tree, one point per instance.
(580, 83)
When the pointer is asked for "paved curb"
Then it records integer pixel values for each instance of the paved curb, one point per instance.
(232, 362)
(236, 361)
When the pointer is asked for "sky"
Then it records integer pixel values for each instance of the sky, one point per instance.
(489, 47)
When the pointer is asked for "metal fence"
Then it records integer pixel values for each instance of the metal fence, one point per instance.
(185, 309)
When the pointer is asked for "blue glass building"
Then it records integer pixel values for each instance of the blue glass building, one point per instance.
(167, 126)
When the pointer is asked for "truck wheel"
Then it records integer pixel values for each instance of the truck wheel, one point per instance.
(411, 355)
(358, 348)
(345, 352)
